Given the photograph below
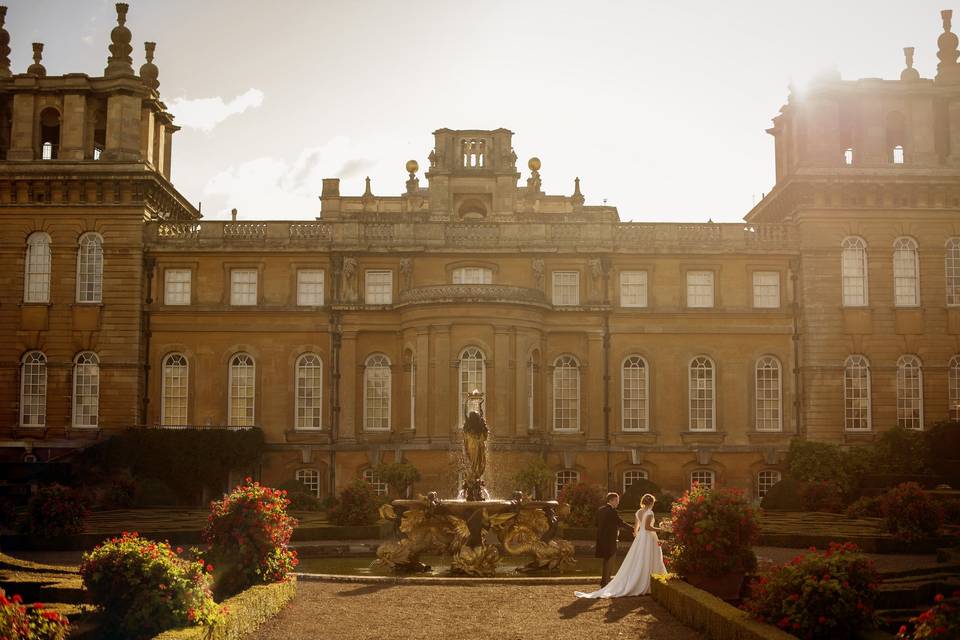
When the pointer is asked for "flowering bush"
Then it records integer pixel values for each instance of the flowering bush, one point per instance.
(909, 513)
(823, 496)
(143, 587)
(54, 510)
(248, 533)
(817, 595)
(34, 622)
(939, 622)
(583, 499)
(865, 507)
(714, 532)
(951, 510)
(356, 505)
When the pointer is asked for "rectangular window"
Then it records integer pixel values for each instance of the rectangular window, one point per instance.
(310, 287)
(243, 287)
(566, 288)
(176, 286)
(633, 288)
(766, 289)
(379, 287)
(472, 275)
(699, 289)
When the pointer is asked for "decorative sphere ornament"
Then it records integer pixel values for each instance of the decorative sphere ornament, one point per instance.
(412, 166)
(534, 164)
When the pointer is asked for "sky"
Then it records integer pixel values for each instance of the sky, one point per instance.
(659, 106)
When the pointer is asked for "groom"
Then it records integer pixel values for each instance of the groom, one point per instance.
(608, 528)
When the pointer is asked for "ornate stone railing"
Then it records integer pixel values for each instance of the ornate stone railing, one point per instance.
(307, 232)
(472, 234)
(378, 233)
(178, 230)
(471, 292)
(245, 231)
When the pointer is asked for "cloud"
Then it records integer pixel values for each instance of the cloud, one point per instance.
(87, 39)
(206, 113)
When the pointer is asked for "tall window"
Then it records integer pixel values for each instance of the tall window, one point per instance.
(243, 287)
(566, 288)
(633, 288)
(36, 273)
(699, 289)
(853, 266)
(898, 154)
(703, 477)
(379, 287)
(33, 390)
(376, 393)
(413, 392)
(909, 393)
(86, 389)
(856, 393)
(848, 156)
(176, 286)
(906, 273)
(952, 269)
(90, 268)
(766, 479)
(309, 392)
(310, 479)
(953, 386)
(371, 477)
(242, 391)
(472, 275)
(631, 476)
(768, 393)
(702, 397)
(533, 369)
(173, 401)
(566, 394)
(563, 478)
(472, 375)
(635, 408)
(766, 289)
(310, 287)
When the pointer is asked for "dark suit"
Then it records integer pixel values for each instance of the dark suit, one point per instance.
(609, 525)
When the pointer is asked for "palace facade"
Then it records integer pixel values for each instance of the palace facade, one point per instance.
(614, 350)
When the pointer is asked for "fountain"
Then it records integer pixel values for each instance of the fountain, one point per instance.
(461, 528)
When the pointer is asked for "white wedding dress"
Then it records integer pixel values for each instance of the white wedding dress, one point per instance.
(643, 560)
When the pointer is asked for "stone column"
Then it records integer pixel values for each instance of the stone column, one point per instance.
(351, 414)
(72, 127)
(21, 133)
(123, 128)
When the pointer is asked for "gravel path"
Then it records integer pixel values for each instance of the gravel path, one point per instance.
(376, 611)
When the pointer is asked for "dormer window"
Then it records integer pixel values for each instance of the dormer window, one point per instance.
(898, 154)
(473, 152)
(848, 156)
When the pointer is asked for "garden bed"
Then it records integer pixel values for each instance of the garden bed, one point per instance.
(803, 529)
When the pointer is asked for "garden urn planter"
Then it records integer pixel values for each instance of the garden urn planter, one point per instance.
(725, 587)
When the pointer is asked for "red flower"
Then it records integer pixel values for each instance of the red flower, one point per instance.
(938, 597)
(209, 568)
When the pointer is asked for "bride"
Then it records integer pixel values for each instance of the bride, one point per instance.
(643, 559)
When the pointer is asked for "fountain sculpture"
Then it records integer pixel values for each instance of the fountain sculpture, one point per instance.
(460, 528)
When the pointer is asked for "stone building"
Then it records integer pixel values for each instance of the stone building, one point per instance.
(614, 350)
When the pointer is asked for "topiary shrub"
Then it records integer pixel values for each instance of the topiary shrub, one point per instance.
(939, 622)
(54, 510)
(248, 532)
(784, 496)
(900, 450)
(400, 476)
(822, 496)
(631, 497)
(818, 595)
(34, 622)
(714, 532)
(301, 499)
(143, 587)
(155, 493)
(583, 499)
(910, 514)
(865, 507)
(534, 478)
(356, 505)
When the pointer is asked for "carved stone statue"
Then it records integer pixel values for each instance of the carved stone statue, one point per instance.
(349, 274)
(475, 434)
(406, 272)
(537, 266)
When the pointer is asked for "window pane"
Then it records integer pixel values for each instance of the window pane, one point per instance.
(472, 376)
(566, 395)
(379, 287)
(633, 475)
(700, 289)
(954, 388)
(310, 478)
(702, 477)
(309, 392)
(310, 287)
(373, 479)
(173, 407)
(566, 287)
(472, 275)
(768, 395)
(376, 401)
(854, 273)
(563, 478)
(856, 385)
(701, 395)
(90, 269)
(36, 286)
(634, 392)
(176, 288)
(906, 277)
(242, 388)
(765, 480)
(33, 390)
(766, 289)
(633, 288)
(909, 393)
(243, 287)
(952, 268)
(86, 390)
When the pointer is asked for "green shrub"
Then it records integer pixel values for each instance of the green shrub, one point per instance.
(356, 505)
(817, 596)
(8, 512)
(301, 498)
(784, 496)
(909, 513)
(943, 447)
(119, 493)
(155, 493)
(865, 507)
(54, 510)
(534, 478)
(951, 510)
(714, 531)
(899, 450)
(822, 496)
(631, 497)
(809, 461)
(144, 587)
(34, 622)
(583, 499)
(939, 622)
(399, 476)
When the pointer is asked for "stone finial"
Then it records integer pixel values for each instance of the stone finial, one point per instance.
(413, 184)
(233, 214)
(533, 182)
(4, 46)
(120, 63)
(577, 198)
(909, 73)
(368, 199)
(948, 70)
(37, 69)
(148, 71)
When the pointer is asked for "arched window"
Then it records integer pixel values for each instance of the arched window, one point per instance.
(633, 475)
(472, 275)
(33, 390)
(376, 393)
(566, 394)
(854, 270)
(769, 411)
(86, 389)
(310, 479)
(909, 393)
(36, 272)
(309, 375)
(952, 271)
(90, 268)
(766, 479)
(906, 273)
(953, 384)
(49, 134)
(856, 394)
(634, 388)
(898, 154)
(703, 477)
(848, 156)
(702, 396)
(175, 390)
(563, 478)
(242, 391)
(371, 477)
(472, 372)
